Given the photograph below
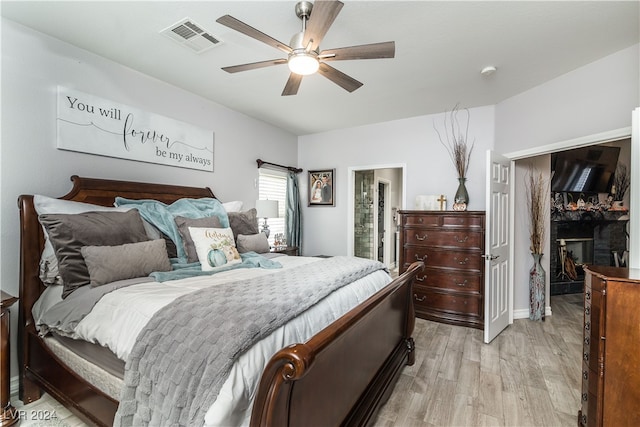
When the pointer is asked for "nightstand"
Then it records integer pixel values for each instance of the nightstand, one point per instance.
(9, 414)
(289, 250)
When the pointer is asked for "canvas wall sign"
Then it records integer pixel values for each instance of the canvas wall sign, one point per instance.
(90, 124)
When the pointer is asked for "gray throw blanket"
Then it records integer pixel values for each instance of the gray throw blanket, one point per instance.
(184, 354)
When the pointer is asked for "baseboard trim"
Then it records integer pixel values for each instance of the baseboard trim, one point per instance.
(524, 313)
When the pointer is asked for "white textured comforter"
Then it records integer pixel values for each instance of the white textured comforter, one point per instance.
(119, 316)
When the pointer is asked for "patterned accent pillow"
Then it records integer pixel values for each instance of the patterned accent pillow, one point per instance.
(215, 247)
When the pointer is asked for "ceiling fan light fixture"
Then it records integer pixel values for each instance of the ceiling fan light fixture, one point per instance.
(303, 63)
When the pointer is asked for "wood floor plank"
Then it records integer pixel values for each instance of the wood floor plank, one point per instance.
(490, 399)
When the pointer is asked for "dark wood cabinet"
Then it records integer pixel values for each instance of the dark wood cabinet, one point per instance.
(611, 348)
(8, 415)
(451, 244)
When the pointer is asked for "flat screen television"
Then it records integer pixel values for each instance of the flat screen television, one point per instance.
(585, 170)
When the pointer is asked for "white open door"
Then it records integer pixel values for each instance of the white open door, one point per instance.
(497, 265)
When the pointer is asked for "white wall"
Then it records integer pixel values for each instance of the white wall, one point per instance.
(596, 98)
(412, 142)
(34, 64)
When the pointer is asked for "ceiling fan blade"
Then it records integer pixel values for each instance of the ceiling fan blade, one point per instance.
(365, 51)
(322, 16)
(291, 88)
(235, 24)
(253, 65)
(338, 77)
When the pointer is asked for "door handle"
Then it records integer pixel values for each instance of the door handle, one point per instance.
(490, 257)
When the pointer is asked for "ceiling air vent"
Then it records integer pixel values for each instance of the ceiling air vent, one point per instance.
(191, 35)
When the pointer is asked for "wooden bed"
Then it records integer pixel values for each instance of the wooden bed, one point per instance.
(341, 376)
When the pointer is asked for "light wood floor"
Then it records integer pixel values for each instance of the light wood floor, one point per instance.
(528, 376)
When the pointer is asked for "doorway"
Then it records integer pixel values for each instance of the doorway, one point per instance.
(376, 194)
(519, 226)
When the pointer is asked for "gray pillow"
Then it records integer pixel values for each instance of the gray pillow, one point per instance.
(244, 222)
(253, 242)
(107, 264)
(183, 228)
(70, 232)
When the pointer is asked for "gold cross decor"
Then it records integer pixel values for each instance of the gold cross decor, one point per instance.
(443, 201)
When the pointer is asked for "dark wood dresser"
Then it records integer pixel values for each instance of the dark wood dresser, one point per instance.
(611, 348)
(451, 245)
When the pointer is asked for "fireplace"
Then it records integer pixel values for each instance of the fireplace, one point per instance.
(583, 238)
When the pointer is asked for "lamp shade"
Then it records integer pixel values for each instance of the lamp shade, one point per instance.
(267, 208)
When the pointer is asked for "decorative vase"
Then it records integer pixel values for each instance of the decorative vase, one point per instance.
(461, 199)
(537, 285)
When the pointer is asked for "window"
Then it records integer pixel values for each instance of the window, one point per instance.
(272, 185)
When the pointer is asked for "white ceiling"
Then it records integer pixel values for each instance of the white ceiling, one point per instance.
(441, 46)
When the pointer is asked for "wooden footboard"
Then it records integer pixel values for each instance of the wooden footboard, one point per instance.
(345, 373)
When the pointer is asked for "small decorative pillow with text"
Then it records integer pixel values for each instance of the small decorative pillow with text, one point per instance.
(215, 247)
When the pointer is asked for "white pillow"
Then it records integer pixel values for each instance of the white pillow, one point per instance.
(215, 247)
(235, 206)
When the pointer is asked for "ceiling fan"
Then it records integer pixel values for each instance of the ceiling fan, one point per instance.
(304, 57)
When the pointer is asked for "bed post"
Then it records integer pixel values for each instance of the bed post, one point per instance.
(30, 289)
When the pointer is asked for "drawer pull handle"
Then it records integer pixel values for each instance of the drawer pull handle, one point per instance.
(418, 258)
(588, 295)
(584, 397)
(587, 340)
(421, 238)
(585, 356)
(463, 262)
(587, 326)
(418, 298)
(462, 284)
(585, 375)
(584, 419)
(421, 279)
(421, 220)
(459, 240)
(587, 310)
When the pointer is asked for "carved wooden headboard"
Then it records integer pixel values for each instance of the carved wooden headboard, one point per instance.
(88, 190)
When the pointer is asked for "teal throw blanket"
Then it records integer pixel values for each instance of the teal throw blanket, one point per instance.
(162, 215)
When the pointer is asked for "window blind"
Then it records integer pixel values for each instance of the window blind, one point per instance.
(272, 185)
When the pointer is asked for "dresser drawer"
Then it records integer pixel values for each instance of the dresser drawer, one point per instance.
(457, 281)
(449, 238)
(466, 260)
(450, 302)
(418, 220)
(463, 221)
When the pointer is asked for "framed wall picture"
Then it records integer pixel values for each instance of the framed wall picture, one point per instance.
(321, 187)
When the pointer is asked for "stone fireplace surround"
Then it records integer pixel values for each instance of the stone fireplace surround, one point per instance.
(606, 228)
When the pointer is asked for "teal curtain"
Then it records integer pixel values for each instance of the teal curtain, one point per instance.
(293, 213)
